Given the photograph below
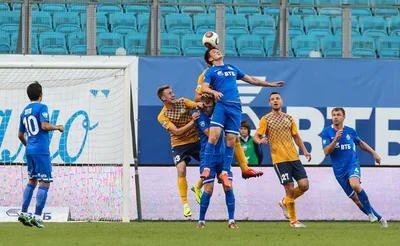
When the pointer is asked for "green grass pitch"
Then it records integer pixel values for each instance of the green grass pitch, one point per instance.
(215, 233)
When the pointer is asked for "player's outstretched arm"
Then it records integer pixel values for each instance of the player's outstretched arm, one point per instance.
(22, 138)
(259, 82)
(299, 142)
(179, 131)
(258, 139)
(364, 146)
(46, 126)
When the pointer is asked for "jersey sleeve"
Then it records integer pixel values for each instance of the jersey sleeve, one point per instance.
(295, 130)
(326, 140)
(262, 129)
(207, 76)
(190, 104)
(203, 122)
(200, 82)
(21, 125)
(239, 73)
(356, 138)
(164, 121)
(44, 114)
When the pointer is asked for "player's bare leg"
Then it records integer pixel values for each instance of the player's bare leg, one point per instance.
(183, 187)
(242, 162)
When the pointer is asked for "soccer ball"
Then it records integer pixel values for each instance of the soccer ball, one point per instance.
(210, 40)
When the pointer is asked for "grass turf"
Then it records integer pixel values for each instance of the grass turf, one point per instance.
(215, 233)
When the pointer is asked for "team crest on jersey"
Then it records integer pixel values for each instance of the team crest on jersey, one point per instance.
(202, 124)
(324, 141)
(348, 137)
(164, 123)
(45, 114)
(230, 68)
(219, 73)
(28, 111)
(183, 111)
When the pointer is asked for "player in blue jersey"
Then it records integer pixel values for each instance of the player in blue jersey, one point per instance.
(34, 123)
(228, 111)
(339, 143)
(203, 125)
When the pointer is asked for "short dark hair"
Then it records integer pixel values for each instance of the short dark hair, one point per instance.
(246, 125)
(34, 91)
(207, 98)
(274, 93)
(207, 56)
(339, 109)
(161, 89)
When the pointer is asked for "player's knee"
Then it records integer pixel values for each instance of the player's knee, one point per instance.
(356, 187)
(213, 138)
(181, 170)
(33, 182)
(209, 188)
(228, 188)
(230, 140)
(304, 187)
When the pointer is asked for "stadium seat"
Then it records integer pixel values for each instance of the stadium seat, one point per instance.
(269, 45)
(304, 11)
(393, 24)
(269, 2)
(110, 9)
(247, 9)
(320, 33)
(363, 53)
(123, 23)
(34, 43)
(5, 46)
(304, 44)
(273, 11)
(107, 43)
(17, 6)
(356, 12)
(236, 31)
(78, 50)
(79, 8)
(333, 53)
(143, 22)
(52, 8)
(179, 23)
(41, 22)
(386, 12)
(252, 52)
(362, 42)
(295, 32)
(193, 9)
(135, 44)
(228, 10)
(389, 47)
(230, 43)
(353, 32)
(170, 44)
(52, 43)
(101, 21)
(337, 23)
(77, 43)
(169, 10)
(383, 2)
(9, 21)
(331, 44)
(230, 53)
(376, 35)
(4, 7)
(296, 22)
(137, 9)
(328, 2)
(261, 21)
(66, 22)
(317, 22)
(192, 45)
(250, 45)
(264, 31)
(330, 12)
(372, 23)
(235, 21)
(203, 22)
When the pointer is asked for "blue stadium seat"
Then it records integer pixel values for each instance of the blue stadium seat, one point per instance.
(273, 11)
(247, 9)
(353, 32)
(79, 8)
(123, 23)
(386, 12)
(328, 2)
(269, 44)
(271, 53)
(143, 22)
(331, 12)
(34, 43)
(389, 47)
(304, 11)
(192, 45)
(179, 23)
(236, 31)
(101, 21)
(66, 22)
(193, 9)
(41, 22)
(261, 21)
(361, 12)
(77, 43)
(337, 23)
(137, 9)
(363, 53)
(110, 9)
(269, 2)
(52, 43)
(393, 24)
(228, 10)
(170, 44)
(383, 2)
(362, 42)
(304, 44)
(135, 44)
(203, 22)
(296, 22)
(230, 53)
(250, 45)
(17, 6)
(5, 46)
(169, 10)
(107, 43)
(376, 35)
(372, 23)
(263, 31)
(52, 8)
(331, 46)
(4, 7)
(9, 21)
(236, 21)
(230, 45)
(317, 22)
(295, 32)
(320, 33)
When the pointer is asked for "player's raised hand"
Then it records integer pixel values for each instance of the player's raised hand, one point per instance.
(339, 134)
(377, 159)
(217, 95)
(195, 116)
(278, 84)
(308, 156)
(199, 105)
(60, 128)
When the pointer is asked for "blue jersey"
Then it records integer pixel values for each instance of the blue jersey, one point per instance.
(30, 123)
(344, 154)
(203, 123)
(223, 79)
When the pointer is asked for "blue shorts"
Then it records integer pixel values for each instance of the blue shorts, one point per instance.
(353, 171)
(39, 167)
(287, 171)
(227, 116)
(186, 152)
(215, 169)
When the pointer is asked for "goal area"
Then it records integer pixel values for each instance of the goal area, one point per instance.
(92, 97)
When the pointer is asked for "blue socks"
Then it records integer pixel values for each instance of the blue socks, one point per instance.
(228, 157)
(204, 202)
(230, 203)
(27, 197)
(373, 211)
(208, 154)
(41, 198)
(365, 202)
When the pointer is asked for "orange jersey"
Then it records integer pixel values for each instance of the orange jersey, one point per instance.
(179, 116)
(200, 81)
(280, 129)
